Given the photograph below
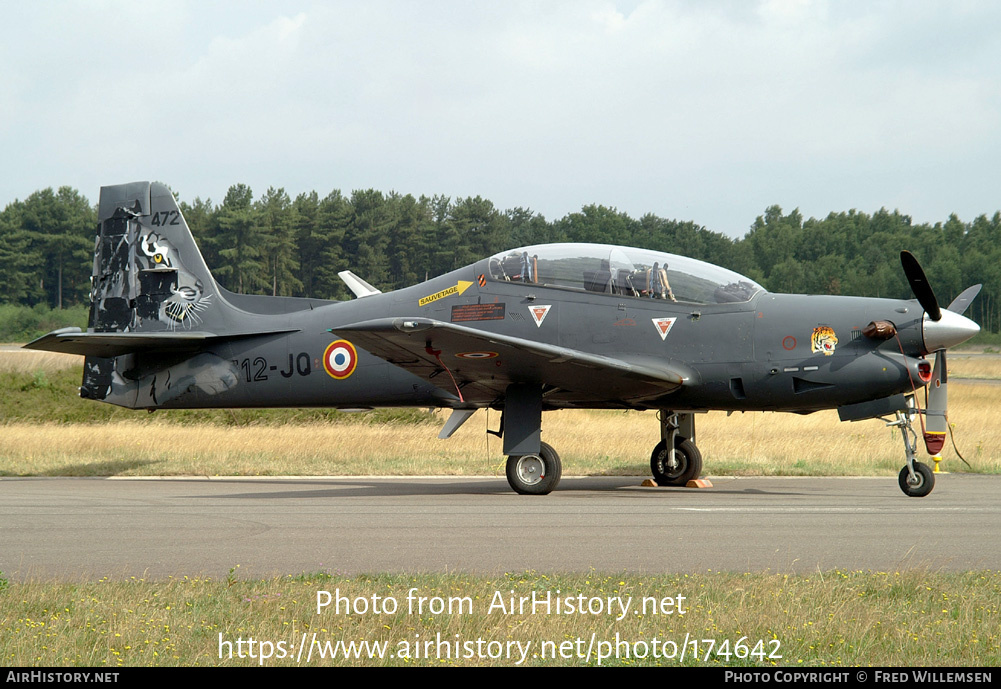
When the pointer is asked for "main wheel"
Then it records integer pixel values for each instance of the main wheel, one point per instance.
(924, 481)
(535, 474)
(688, 463)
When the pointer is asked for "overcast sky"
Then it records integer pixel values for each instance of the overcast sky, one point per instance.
(695, 110)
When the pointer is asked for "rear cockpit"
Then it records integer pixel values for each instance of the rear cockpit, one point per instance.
(623, 271)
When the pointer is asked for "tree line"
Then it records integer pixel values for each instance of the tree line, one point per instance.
(295, 247)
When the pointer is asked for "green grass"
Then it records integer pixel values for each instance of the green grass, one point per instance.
(25, 323)
(833, 618)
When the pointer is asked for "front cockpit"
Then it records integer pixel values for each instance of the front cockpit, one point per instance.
(623, 271)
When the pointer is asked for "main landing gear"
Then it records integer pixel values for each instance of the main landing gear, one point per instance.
(679, 470)
(535, 474)
(915, 479)
(534, 467)
(675, 460)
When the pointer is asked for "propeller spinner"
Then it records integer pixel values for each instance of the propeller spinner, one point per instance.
(940, 329)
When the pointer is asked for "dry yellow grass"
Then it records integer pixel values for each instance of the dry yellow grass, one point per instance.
(967, 366)
(30, 360)
(590, 442)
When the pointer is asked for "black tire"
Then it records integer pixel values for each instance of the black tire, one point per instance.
(689, 463)
(535, 474)
(926, 481)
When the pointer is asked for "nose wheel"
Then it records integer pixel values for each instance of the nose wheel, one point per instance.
(915, 479)
(918, 485)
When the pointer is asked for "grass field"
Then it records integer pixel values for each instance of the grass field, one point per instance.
(983, 367)
(591, 443)
(825, 619)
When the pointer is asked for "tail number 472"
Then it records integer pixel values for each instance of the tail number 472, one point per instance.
(166, 218)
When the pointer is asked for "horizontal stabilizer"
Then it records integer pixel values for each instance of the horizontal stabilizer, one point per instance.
(75, 341)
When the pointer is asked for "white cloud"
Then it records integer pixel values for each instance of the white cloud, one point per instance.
(684, 109)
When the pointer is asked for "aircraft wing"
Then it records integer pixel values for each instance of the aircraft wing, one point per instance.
(484, 364)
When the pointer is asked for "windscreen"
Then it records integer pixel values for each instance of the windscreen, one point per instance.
(637, 273)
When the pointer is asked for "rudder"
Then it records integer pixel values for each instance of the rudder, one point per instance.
(148, 273)
(149, 280)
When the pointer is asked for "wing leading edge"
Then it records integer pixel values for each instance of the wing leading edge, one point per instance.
(483, 364)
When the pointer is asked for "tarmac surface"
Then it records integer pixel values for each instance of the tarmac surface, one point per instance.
(81, 529)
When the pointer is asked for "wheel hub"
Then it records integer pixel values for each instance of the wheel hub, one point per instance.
(531, 469)
(670, 468)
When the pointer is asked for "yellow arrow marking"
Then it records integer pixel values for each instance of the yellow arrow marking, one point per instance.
(460, 287)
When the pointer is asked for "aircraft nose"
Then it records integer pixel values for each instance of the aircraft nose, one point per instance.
(951, 330)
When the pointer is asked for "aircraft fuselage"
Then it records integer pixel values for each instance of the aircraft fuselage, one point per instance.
(777, 352)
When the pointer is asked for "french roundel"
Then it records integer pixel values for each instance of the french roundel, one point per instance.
(340, 359)
(476, 355)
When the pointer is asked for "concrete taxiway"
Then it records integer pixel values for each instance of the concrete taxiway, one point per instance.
(85, 529)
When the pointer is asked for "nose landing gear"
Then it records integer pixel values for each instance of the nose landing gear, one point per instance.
(916, 479)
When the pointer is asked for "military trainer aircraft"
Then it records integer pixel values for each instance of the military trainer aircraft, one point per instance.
(526, 330)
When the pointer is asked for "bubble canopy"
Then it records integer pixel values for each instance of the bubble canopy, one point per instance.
(623, 271)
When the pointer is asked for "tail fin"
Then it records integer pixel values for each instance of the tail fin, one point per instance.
(148, 273)
(155, 309)
(150, 287)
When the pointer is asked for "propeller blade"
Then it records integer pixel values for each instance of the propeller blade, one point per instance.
(936, 424)
(964, 299)
(919, 285)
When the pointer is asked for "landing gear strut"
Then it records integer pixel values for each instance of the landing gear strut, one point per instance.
(676, 460)
(533, 467)
(916, 479)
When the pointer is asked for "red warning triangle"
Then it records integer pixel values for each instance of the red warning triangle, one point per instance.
(539, 313)
(663, 326)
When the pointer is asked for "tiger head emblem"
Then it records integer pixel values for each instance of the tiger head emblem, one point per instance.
(188, 297)
(823, 340)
